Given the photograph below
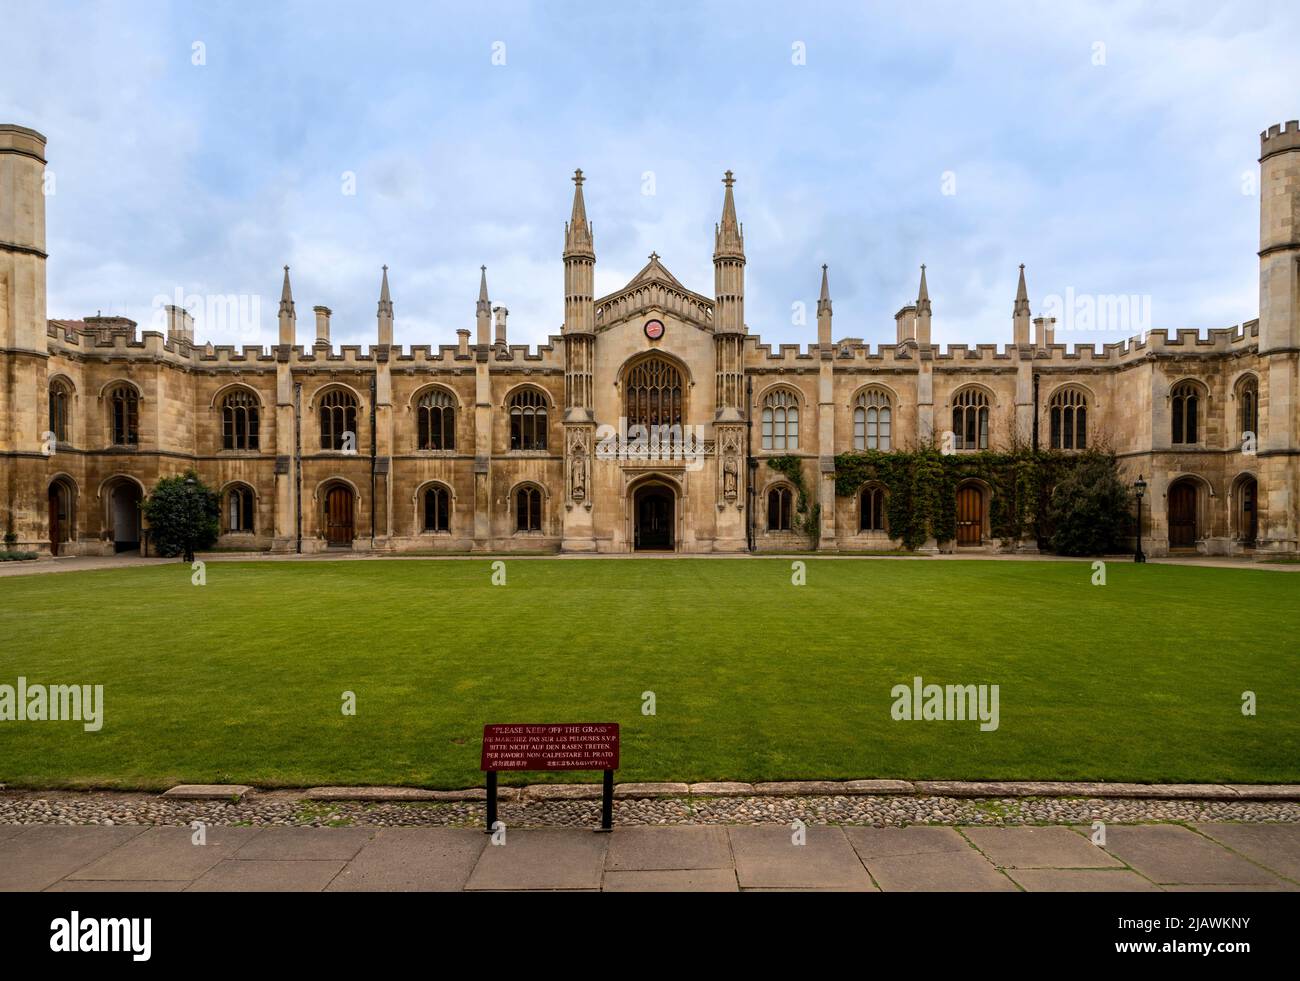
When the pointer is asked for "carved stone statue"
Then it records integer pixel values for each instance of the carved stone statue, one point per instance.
(730, 477)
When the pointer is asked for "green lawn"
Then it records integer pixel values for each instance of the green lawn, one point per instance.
(754, 678)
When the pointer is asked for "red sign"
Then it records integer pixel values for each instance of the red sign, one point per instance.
(557, 746)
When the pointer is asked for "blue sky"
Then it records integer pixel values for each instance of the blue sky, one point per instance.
(1118, 178)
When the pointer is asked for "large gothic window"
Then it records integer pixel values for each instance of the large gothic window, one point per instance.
(654, 394)
(528, 420)
(1248, 405)
(437, 420)
(1069, 420)
(872, 421)
(970, 419)
(528, 509)
(779, 501)
(239, 420)
(239, 509)
(871, 512)
(781, 420)
(60, 403)
(437, 509)
(124, 415)
(338, 420)
(1185, 404)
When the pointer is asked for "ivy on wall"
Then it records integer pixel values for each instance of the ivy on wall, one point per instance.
(807, 517)
(921, 489)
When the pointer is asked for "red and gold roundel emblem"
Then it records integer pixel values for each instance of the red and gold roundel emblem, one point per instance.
(654, 329)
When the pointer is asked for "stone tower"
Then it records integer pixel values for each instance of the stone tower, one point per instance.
(22, 329)
(729, 374)
(1279, 333)
(579, 363)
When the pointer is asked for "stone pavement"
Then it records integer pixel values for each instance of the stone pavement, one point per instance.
(1150, 857)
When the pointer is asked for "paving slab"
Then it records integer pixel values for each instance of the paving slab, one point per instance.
(766, 857)
(41, 856)
(1266, 791)
(166, 853)
(255, 875)
(672, 880)
(1081, 880)
(1169, 854)
(722, 789)
(11, 830)
(306, 844)
(1267, 887)
(645, 849)
(409, 859)
(1275, 846)
(895, 842)
(544, 858)
(129, 885)
(1039, 848)
(207, 791)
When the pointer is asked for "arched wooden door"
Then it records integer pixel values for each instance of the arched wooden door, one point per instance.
(59, 516)
(1248, 518)
(970, 515)
(339, 506)
(654, 518)
(1182, 515)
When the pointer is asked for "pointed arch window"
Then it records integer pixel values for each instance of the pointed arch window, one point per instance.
(239, 509)
(970, 419)
(437, 420)
(239, 420)
(60, 408)
(124, 415)
(528, 509)
(1069, 420)
(654, 394)
(871, 509)
(1248, 406)
(872, 421)
(338, 420)
(1185, 405)
(437, 509)
(528, 420)
(781, 420)
(779, 506)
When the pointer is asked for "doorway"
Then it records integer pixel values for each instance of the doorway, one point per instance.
(655, 517)
(1182, 515)
(970, 515)
(1248, 511)
(60, 514)
(124, 508)
(339, 506)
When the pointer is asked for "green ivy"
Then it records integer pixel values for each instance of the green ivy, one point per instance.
(807, 515)
(921, 487)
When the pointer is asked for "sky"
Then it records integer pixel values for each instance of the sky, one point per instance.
(197, 148)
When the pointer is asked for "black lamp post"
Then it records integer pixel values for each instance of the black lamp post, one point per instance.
(1141, 488)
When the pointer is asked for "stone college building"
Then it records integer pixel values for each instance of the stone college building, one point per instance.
(642, 426)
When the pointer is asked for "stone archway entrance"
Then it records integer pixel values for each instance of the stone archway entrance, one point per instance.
(970, 515)
(1182, 514)
(124, 513)
(59, 502)
(654, 518)
(340, 506)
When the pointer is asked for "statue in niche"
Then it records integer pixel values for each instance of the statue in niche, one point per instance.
(730, 477)
(579, 473)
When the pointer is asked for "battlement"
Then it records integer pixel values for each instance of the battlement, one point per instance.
(1277, 139)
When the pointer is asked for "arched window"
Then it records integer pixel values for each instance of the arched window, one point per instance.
(970, 419)
(779, 501)
(1069, 420)
(124, 415)
(528, 509)
(60, 406)
(654, 394)
(872, 417)
(239, 509)
(437, 420)
(528, 420)
(1185, 401)
(437, 509)
(239, 420)
(1248, 402)
(871, 513)
(781, 420)
(338, 420)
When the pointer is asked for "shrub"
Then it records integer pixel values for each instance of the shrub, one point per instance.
(1089, 511)
(183, 515)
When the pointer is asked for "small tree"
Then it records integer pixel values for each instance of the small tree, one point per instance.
(183, 515)
(1090, 512)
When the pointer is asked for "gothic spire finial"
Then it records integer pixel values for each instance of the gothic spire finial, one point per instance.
(729, 238)
(924, 293)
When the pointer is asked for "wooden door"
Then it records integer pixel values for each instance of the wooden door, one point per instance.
(655, 521)
(970, 516)
(1249, 513)
(1182, 516)
(338, 516)
(56, 518)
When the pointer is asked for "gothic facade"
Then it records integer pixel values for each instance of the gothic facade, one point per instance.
(643, 425)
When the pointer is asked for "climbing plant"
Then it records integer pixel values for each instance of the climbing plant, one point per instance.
(921, 487)
(807, 516)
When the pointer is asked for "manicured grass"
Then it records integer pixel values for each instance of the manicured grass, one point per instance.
(754, 679)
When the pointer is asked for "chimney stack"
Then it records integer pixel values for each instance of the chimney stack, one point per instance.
(501, 313)
(323, 325)
(180, 324)
(1044, 332)
(905, 320)
(462, 345)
